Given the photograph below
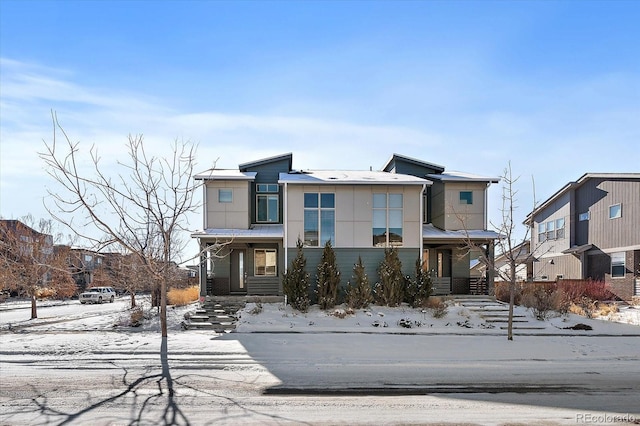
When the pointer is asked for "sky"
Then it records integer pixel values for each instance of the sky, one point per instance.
(551, 88)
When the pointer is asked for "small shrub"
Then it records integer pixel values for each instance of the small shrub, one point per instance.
(328, 278)
(136, 317)
(437, 307)
(501, 291)
(420, 287)
(182, 297)
(542, 300)
(358, 295)
(256, 309)
(606, 309)
(295, 282)
(389, 290)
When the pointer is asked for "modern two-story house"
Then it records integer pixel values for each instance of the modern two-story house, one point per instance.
(256, 214)
(590, 228)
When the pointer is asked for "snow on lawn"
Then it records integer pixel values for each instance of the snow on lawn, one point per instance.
(459, 319)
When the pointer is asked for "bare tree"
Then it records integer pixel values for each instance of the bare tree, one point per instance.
(143, 209)
(26, 250)
(508, 244)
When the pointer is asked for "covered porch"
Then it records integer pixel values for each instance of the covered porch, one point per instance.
(448, 256)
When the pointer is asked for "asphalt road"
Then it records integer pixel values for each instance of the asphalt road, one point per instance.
(291, 379)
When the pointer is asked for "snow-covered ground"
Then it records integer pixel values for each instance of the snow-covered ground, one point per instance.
(458, 368)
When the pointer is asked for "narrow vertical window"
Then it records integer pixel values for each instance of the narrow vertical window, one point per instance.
(542, 233)
(618, 268)
(267, 203)
(387, 220)
(560, 229)
(319, 218)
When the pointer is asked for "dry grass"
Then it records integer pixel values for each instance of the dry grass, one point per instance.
(183, 296)
(606, 309)
(437, 307)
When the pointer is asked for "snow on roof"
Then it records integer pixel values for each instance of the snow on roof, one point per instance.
(225, 174)
(432, 233)
(257, 231)
(453, 176)
(350, 177)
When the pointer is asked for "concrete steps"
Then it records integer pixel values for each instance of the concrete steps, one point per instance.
(218, 316)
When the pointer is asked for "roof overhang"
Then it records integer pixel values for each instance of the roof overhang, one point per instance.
(257, 232)
(219, 174)
(432, 234)
(350, 177)
(578, 249)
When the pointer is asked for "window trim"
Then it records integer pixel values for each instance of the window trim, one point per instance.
(387, 215)
(256, 266)
(319, 209)
(621, 261)
(269, 191)
(228, 192)
(619, 215)
(466, 200)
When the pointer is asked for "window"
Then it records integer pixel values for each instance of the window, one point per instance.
(584, 216)
(551, 230)
(559, 229)
(88, 258)
(267, 203)
(225, 196)
(618, 268)
(265, 262)
(466, 197)
(615, 211)
(319, 218)
(387, 220)
(542, 233)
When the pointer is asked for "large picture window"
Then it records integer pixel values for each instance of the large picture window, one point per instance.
(387, 220)
(319, 218)
(618, 267)
(266, 262)
(267, 203)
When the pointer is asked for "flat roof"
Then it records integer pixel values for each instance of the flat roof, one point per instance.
(453, 176)
(255, 232)
(225, 174)
(336, 177)
(430, 232)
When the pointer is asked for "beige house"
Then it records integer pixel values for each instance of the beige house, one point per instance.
(263, 208)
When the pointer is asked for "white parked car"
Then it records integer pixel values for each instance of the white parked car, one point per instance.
(98, 295)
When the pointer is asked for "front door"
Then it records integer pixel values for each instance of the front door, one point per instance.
(238, 277)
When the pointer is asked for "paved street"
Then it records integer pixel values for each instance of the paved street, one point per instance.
(275, 379)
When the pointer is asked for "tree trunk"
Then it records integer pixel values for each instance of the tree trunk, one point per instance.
(34, 312)
(512, 290)
(133, 299)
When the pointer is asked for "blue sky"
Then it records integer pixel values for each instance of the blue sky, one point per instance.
(552, 87)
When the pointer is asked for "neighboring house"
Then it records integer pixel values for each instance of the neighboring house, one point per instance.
(590, 228)
(264, 207)
(524, 264)
(82, 263)
(21, 243)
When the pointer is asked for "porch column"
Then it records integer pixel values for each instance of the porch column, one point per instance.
(203, 270)
(491, 270)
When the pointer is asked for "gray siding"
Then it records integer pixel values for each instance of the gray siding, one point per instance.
(267, 173)
(347, 258)
(595, 196)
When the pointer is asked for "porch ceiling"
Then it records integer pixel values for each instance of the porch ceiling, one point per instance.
(432, 234)
(256, 232)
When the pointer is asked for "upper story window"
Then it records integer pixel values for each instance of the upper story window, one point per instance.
(466, 197)
(266, 262)
(267, 203)
(225, 195)
(584, 216)
(387, 220)
(88, 258)
(551, 230)
(615, 211)
(319, 218)
(560, 229)
(618, 268)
